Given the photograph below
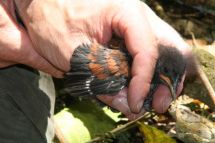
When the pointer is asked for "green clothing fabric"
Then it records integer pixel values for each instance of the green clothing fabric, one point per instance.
(25, 108)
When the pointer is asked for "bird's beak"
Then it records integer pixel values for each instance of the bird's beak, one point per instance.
(172, 87)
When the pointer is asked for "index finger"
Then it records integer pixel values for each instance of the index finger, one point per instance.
(141, 44)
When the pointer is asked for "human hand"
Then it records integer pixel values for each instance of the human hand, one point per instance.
(58, 27)
(16, 47)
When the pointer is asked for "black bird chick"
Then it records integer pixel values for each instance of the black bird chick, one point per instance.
(96, 69)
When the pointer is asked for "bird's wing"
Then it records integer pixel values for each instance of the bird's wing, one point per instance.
(96, 70)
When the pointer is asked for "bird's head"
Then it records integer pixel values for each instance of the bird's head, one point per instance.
(170, 68)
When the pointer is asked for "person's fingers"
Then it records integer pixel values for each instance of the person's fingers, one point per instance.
(162, 97)
(33, 59)
(38, 62)
(9, 5)
(171, 38)
(16, 46)
(4, 63)
(141, 44)
(120, 103)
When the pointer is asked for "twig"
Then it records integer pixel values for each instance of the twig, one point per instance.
(194, 40)
(206, 83)
(59, 134)
(203, 76)
(120, 128)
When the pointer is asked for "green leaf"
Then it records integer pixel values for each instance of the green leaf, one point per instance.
(84, 120)
(72, 128)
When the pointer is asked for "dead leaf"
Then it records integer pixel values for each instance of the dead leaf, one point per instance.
(153, 135)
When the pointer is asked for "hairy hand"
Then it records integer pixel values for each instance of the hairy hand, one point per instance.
(57, 27)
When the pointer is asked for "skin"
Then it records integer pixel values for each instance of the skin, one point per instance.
(55, 28)
(15, 44)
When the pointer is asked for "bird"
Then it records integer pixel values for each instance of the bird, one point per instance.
(98, 70)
